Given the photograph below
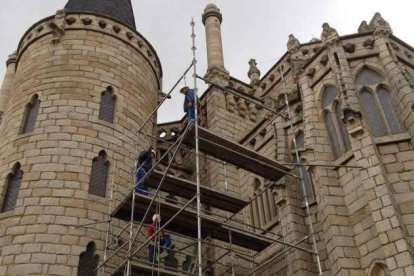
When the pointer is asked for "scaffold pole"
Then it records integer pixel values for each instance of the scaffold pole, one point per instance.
(194, 48)
(302, 181)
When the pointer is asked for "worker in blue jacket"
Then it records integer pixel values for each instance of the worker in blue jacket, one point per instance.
(189, 102)
(144, 164)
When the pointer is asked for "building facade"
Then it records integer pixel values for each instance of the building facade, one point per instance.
(82, 82)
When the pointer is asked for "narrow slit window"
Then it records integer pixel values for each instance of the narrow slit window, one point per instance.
(30, 114)
(107, 105)
(88, 261)
(12, 188)
(99, 175)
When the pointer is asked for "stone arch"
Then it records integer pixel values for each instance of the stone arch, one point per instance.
(368, 88)
(331, 116)
(319, 91)
(378, 268)
(369, 65)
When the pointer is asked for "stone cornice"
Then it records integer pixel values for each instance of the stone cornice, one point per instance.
(212, 12)
(96, 23)
(11, 59)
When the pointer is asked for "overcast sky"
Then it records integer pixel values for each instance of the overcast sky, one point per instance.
(251, 29)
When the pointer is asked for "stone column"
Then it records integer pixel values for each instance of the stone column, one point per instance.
(212, 19)
(5, 90)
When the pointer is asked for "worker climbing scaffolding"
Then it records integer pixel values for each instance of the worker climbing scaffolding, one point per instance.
(189, 102)
(159, 241)
(180, 220)
(144, 165)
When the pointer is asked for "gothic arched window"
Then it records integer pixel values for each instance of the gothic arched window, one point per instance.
(88, 261)
(379, 110)
(107, 105)
(12, 188)
(30, 114)
(332, 116)
(99, 175)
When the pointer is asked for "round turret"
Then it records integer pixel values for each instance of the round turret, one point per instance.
(84, 84)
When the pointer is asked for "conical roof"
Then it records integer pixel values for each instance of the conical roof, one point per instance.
(120, 10)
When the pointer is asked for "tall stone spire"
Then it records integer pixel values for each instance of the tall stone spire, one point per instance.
(120, 10)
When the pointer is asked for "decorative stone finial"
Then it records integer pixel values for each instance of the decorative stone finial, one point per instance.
(57, 25)
(364, 27)
(254, 72)
(378, 24)
(328, 32)
(293, 44)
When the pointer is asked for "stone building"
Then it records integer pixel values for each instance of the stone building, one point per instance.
(83, 81)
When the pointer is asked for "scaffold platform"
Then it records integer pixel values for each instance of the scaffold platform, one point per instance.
(236, 154)
(185, 222)
(188, 189)
(146, 269)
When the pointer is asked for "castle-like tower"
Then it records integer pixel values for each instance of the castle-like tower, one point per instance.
(76, 90)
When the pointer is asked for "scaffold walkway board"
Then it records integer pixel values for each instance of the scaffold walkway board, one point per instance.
(146, 269)
(185, 222)
(188, 189)
(236, 154)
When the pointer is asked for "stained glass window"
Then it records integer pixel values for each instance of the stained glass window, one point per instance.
(369, 77)
(379, 110)
(390, 112)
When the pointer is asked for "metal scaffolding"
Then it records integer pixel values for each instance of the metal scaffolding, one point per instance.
(236, 231)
